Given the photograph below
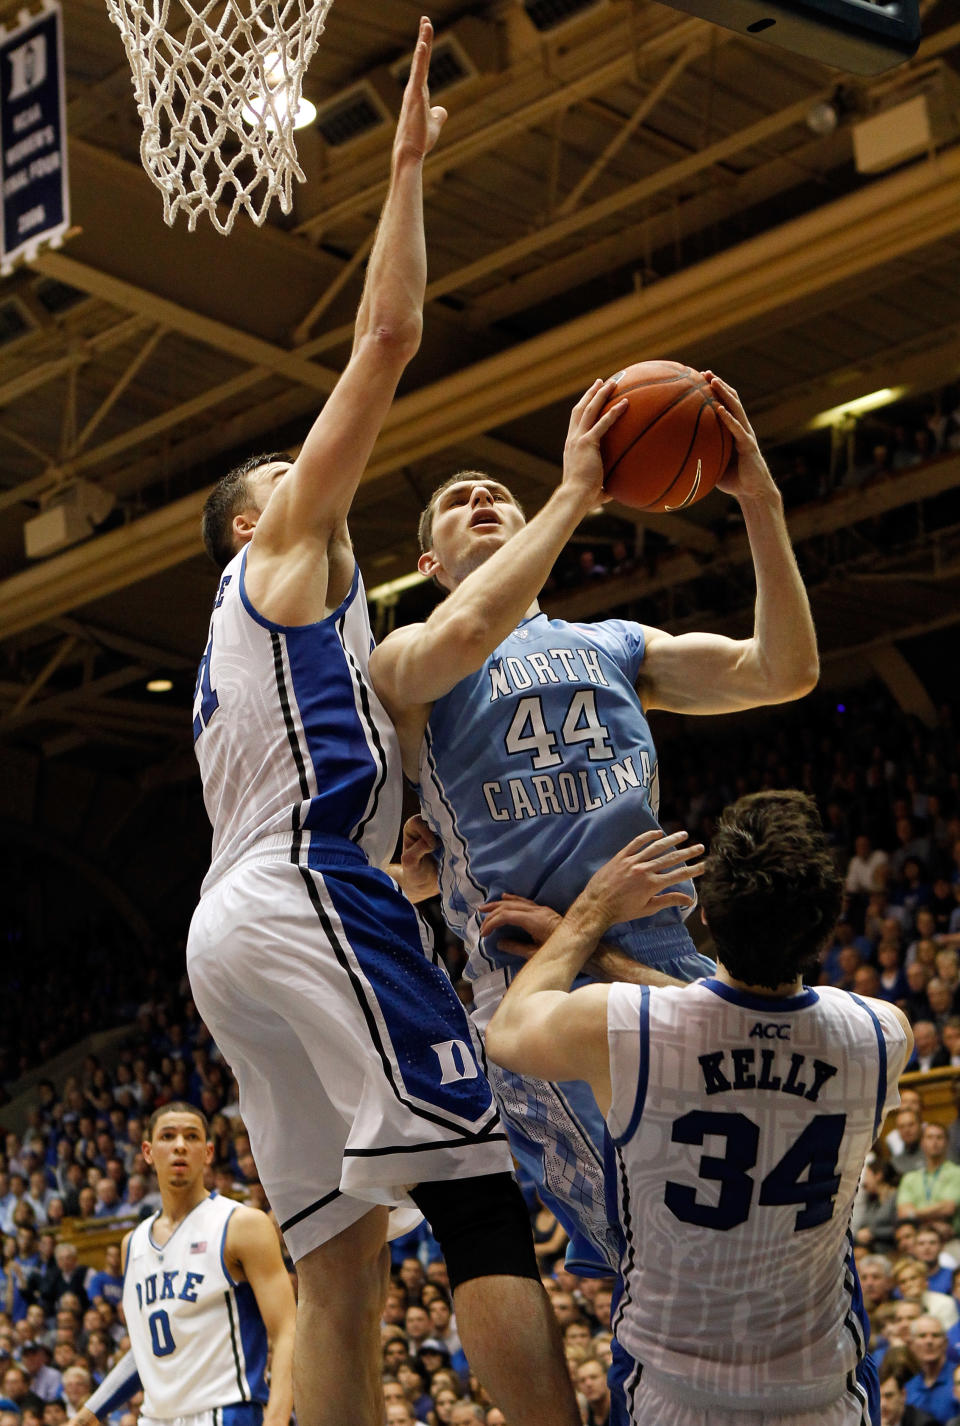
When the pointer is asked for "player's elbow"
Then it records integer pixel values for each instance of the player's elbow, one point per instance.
(393, 340)
(500, 1043)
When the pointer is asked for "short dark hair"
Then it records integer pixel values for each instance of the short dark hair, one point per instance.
(227, 497)
(177, 1106)
(771, 892)
(425, 527)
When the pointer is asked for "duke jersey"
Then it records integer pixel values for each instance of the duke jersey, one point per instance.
(535, 770)
(197, 1336)
(740, 1126)
(294, 746)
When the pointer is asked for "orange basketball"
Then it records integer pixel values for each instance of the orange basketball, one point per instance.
(670, 447)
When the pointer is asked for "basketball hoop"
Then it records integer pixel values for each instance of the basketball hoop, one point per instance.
(218, 85)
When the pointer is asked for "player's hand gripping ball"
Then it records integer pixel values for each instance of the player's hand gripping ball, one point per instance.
(670, 447)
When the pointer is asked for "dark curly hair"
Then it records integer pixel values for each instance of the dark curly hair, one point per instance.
(228, 496)
(771, 892)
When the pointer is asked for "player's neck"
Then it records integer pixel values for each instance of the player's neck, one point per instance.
(176, 1203)
(786, 991)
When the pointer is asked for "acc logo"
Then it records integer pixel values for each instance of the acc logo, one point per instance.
(769, 1031)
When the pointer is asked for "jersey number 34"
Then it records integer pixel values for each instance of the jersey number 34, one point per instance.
(814, 1154)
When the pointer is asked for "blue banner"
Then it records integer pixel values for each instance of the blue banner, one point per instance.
(35, 207)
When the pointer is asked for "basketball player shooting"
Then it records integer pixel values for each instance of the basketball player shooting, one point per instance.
(359, 1085)
(741, 1109)
(530, 744)
(204, 1288)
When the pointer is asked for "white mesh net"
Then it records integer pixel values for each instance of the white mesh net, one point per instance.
(218, 86)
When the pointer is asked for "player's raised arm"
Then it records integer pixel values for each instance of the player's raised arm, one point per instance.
(707, 673)
(540, 1028)
(253, 1247)
(317, 491)
(419, 663)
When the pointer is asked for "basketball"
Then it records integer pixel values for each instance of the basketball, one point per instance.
(670, 446)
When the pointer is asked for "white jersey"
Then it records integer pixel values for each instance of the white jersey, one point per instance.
(740, 1126)
(295, 749)
(197, 1337)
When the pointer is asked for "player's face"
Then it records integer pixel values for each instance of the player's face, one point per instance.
(178, 1150)
(264, 482)
(472, 519)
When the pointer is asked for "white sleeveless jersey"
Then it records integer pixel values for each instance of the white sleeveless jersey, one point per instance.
(740, 1126)
(197, 1337)
(295, 749)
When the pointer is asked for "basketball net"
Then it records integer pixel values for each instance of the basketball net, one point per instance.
(218, 84)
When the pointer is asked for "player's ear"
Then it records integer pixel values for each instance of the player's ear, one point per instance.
(146, 1148)
(244, 524)
(208, 1152)
(428, 564)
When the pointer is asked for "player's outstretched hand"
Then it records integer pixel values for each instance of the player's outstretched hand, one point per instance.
(637, 881)
(519, 914)
(747, 473)
(419, 125)
(582, 465)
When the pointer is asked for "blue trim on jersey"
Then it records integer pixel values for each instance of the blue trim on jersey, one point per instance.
(223, 1247)
(882, 1067)
(290, 628)
(243, 1413)
(253, 1338)
(415, 998)
(644, 1071)
(868, 1380)
(806, 998)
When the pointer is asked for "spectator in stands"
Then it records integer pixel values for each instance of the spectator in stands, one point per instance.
(863, 868)
(876, 1280)
(417, 1327)
(928, 1250)
(77, 1386)
(467, 1413)
(70, 1276)
(932, 1388)
(916, 1005)
(927, 1053)
(894, 1410)
(911, 1279)
(931, 1194)
(875, 1208)
(86, 1202)
(909, 1128)
(592, 1386)
(45, 1380)
(892, 982)
(15, 1386)
(108, 1281)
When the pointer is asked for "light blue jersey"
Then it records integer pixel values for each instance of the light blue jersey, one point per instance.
(535, 771)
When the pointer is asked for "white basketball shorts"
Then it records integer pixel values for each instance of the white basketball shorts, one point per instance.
(358, 1075)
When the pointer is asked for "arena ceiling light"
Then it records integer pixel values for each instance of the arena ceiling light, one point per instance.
(858, 406)
(159, 685)
(276, 79)
(394, 586)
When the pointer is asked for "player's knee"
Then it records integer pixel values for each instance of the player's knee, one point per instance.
(482, 1226)
(356, 1254)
